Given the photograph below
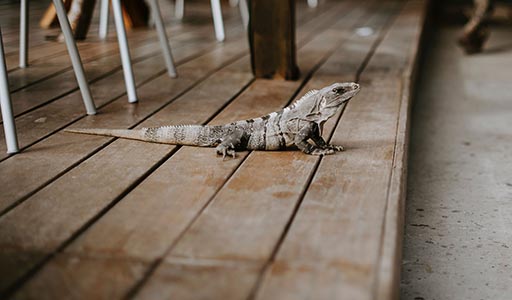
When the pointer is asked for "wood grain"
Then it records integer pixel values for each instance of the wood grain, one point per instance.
(334, 246)
(65, 112)
(155, 90)
(132, 240)
(98, 218)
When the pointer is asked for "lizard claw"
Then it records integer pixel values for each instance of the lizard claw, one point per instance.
(337, 148)
(322, 152)
(224, 151)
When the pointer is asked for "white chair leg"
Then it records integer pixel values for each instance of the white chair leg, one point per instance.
(103, 30)
(313, 3)
(75, 57)
(125, 52)
(5, 105)
(217, 20)
(233, 3)
(179, 9)
(244, 12)
(23, 33)
(162, 36)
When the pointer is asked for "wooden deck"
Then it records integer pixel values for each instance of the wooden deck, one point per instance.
(85, 217)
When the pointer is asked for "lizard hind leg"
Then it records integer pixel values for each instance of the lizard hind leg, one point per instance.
(230, 143)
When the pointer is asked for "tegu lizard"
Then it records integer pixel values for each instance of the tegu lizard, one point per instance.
(298, 125)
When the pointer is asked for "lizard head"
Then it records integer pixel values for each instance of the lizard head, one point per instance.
(336, 94)
(329, 100)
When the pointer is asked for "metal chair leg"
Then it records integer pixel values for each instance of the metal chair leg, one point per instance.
(125, 52)
(313, 3)
(75, 57)
(179, 9)
(23, 33)
(217, 20)
(244, 12)
(6, 106)
(104, 13)
(164, 42)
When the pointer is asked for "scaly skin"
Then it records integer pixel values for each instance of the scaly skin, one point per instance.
(294, 125)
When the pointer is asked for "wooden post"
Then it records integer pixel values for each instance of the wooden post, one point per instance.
(80, 16)
(272, 39)
(137, 13)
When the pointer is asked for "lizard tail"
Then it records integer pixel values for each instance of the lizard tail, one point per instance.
(122, 133)
(193, 135)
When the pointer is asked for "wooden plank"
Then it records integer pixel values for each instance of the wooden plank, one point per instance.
(112, 120)
(174, 28)
(334, 247)
(390, 265)
(141, 46)
(272, 39)
(64, 83)
(56, 60)
(242, 224)
(329, 239)
(40, 51)
(56, 116)
(115, 156)
(104, 89)
(239, 109)
(46, 159)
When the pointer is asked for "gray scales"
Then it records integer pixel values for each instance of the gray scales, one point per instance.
(294, 125)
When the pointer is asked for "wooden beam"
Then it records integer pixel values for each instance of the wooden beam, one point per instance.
(272, 39)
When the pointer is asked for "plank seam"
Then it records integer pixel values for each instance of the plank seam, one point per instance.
(138, 286)
(271, 260)
(38, 266)
(186, 90)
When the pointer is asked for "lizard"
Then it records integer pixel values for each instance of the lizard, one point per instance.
(295, 125)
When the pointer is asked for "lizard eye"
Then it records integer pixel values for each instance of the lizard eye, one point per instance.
(335, 90)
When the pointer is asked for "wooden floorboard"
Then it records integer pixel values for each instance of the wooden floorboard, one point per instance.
(161, 88)
(334, 248)
(42, 122)
(85, 217)
(109, 75)
(64, 83)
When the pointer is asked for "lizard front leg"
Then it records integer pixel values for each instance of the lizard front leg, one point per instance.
(311, 131)
(320, 142)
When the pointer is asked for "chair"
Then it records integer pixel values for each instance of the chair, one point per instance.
(218, 23)
(5, 104)
(70, 44)
(123, 42)
(5, 99)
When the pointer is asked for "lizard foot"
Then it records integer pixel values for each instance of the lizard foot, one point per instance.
(334, 147)
(321, 152)
(226, 150)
